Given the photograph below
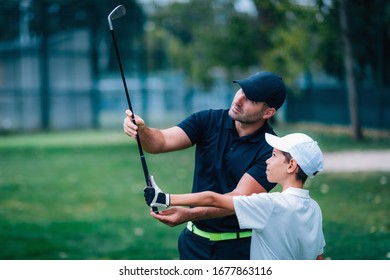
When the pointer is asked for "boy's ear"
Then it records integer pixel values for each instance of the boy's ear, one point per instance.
(292, 167)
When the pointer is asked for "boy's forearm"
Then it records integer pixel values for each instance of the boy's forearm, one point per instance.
(191, 199)
(208, 199)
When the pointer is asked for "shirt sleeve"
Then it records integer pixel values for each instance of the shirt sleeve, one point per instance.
(194, 125)
(323, 244)
(253, 212)
(258, 172)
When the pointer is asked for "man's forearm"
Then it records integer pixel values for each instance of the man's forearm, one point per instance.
(152, 139)
(156, 141)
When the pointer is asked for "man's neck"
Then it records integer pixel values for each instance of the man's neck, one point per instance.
(244, 129)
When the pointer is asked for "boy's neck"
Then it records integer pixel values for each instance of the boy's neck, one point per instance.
(291, 183)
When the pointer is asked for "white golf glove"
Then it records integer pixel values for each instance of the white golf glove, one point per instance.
(155, 197)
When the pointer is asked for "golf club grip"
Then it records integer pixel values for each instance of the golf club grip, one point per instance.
(149, 184)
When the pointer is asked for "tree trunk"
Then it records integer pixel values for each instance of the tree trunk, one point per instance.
(349, 73)
(44, 72)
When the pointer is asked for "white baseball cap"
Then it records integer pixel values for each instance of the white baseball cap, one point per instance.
(302, 148)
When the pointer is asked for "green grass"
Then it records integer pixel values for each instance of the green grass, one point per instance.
(78, 195)
(356, 213)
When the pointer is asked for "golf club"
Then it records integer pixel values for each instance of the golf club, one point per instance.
(119, 12)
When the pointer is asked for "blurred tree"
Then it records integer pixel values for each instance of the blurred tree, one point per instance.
(204, 35)
(369, 25)
(47, 17)
(288, 37)
(207, 34)
(349, 71)
(354, 39)
(35, 21)
(9, 14)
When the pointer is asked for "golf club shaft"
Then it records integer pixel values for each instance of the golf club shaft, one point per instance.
(141, 152)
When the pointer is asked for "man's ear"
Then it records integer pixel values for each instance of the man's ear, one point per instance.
(269, 112)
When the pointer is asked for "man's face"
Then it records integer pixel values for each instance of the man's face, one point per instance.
(246, 111)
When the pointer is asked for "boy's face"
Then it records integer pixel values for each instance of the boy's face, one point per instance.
(276, 167)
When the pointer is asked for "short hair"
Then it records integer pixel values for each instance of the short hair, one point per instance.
(301, 176)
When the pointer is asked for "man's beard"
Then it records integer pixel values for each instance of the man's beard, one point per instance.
(245, 119)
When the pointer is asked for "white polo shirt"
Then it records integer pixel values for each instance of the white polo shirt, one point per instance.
(285, 226)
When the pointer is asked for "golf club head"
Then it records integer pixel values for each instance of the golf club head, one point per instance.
(118, 12)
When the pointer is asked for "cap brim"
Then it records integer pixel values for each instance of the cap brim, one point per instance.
(248, 89)
(275, 142)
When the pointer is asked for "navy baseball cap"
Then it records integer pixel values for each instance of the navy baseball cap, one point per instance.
(264, 87)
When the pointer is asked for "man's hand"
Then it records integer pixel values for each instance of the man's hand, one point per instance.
(155, 197)
(174, 216)
(129, 127)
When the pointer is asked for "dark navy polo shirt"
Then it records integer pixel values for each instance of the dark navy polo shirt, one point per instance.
(222, 158)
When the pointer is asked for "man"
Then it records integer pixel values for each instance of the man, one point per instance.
(231, 154)
(285, 225)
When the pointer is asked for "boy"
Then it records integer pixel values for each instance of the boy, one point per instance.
(285, 225)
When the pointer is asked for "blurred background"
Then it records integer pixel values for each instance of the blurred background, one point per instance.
(59, 71)
(66, 165)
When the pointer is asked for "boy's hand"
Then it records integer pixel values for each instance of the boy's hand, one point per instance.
(155, 197)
